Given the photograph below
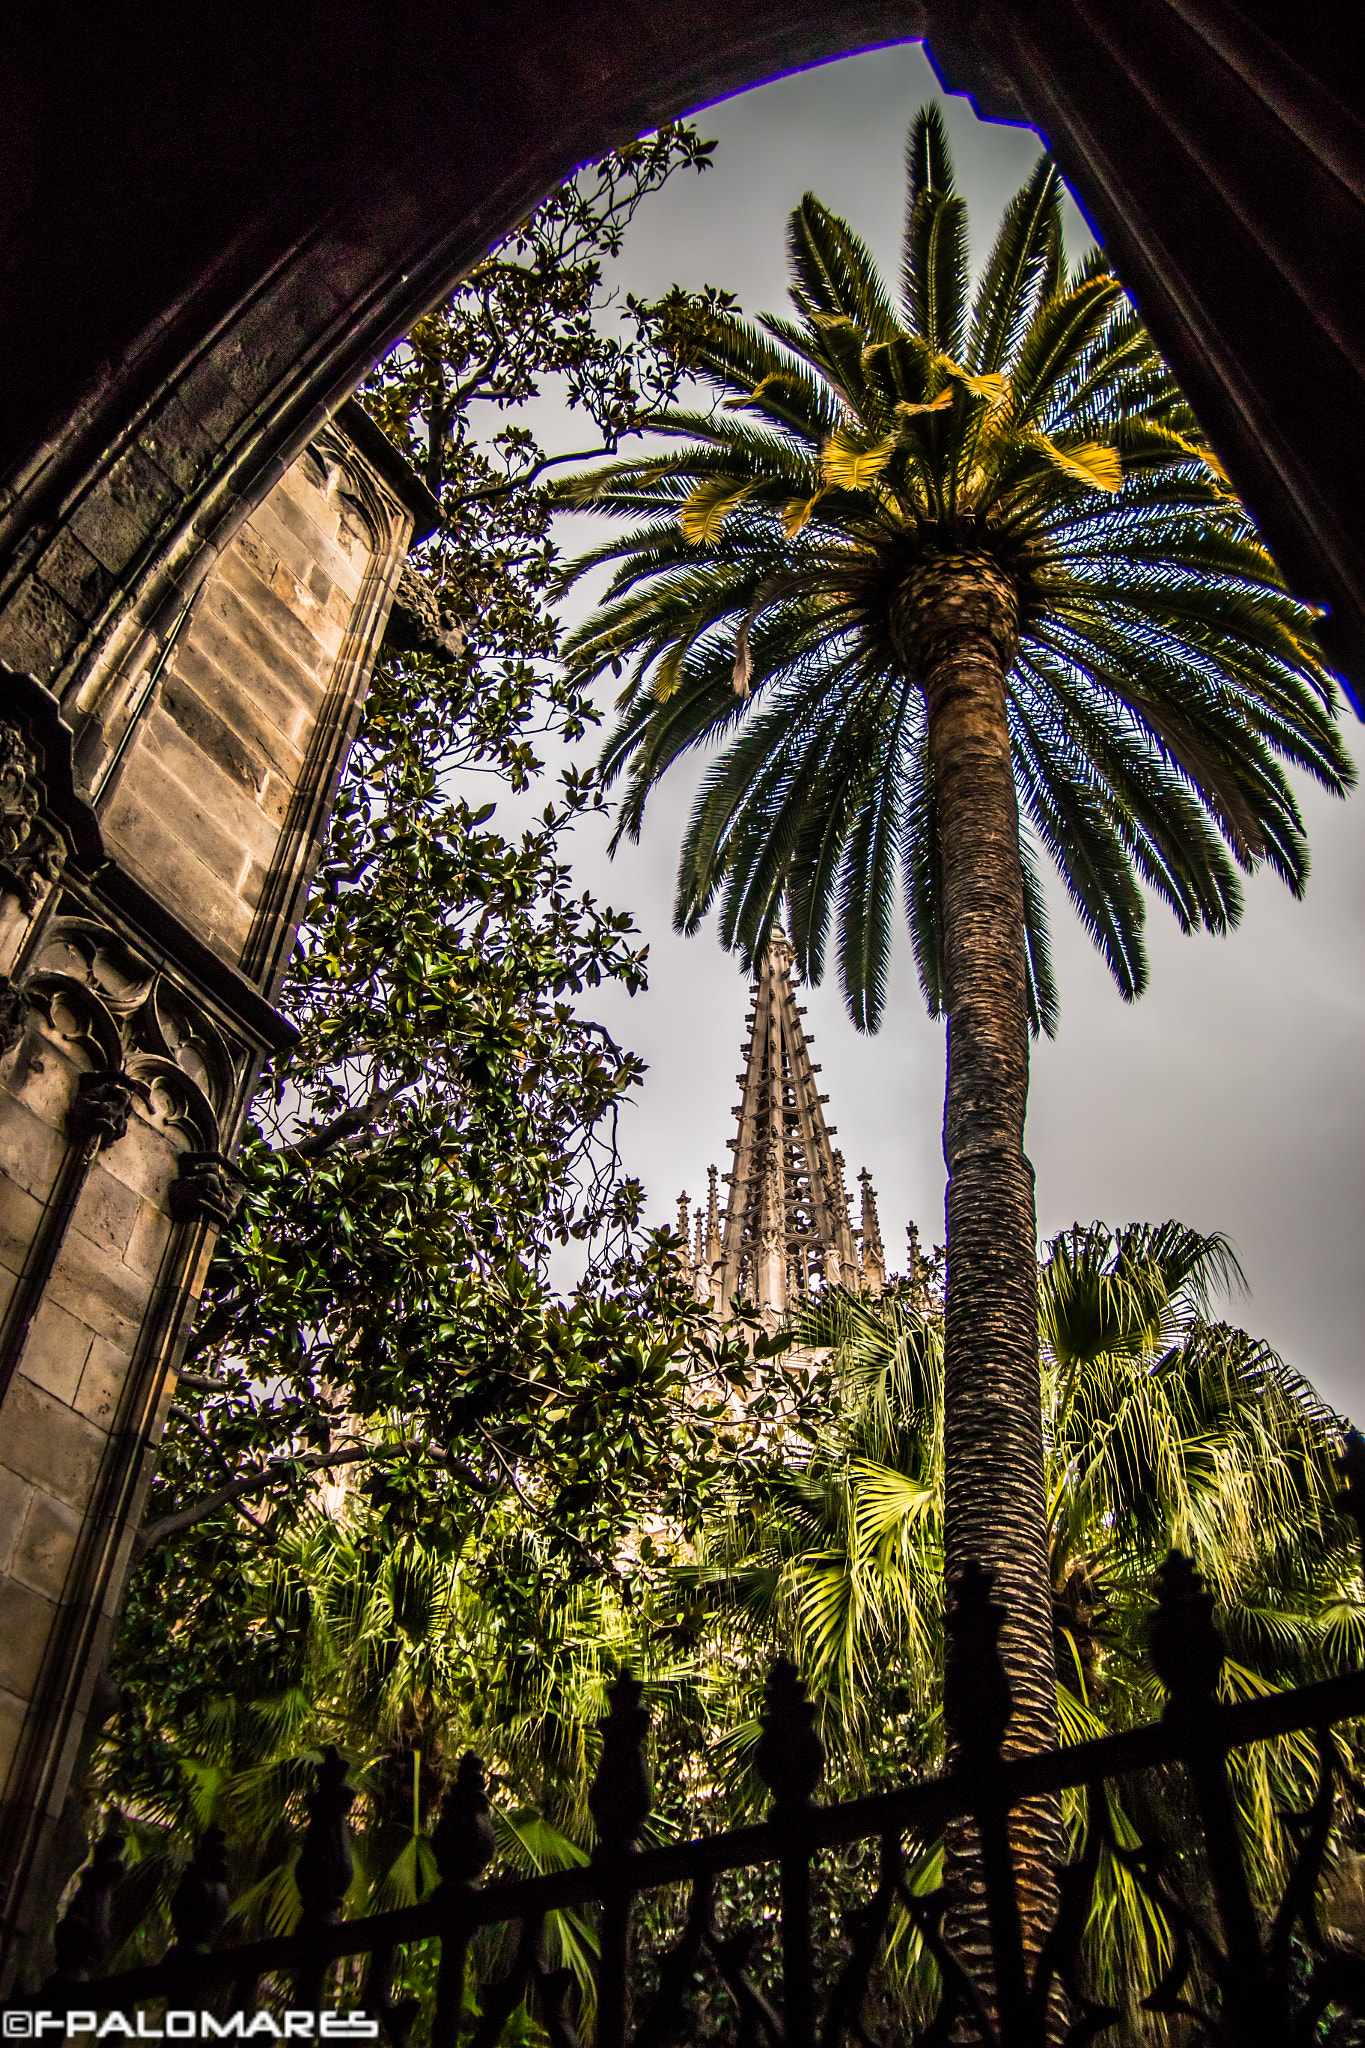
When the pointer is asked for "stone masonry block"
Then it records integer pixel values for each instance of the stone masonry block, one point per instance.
(58, 1346)
(123, 510)
(15, 1495)
(289, 710)
(49, 1077)
(45, 1547)
(147, 1241)
(304, 674)
(162, 860)
(327, 617)
(20, 1213)
(220, 795)
(178, 443)
(25, 1619)
(101, 1291)
(50, 1445)
(293, 528)
(160, 823)
(248, 549)
(102, 1383)
(231, 701)
(107, 1211)
(11, 1727)
(78, 579)
(146, 1160)
(211, 736)
(207, 397)
(293, 619)
(267, 341)
(38, 631)
(33, 1150)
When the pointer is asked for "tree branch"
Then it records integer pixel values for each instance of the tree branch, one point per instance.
(513, 483)
(263, 1478)
(348, 1125)
(200, 1383)
(601, 1564)
(241, 1489)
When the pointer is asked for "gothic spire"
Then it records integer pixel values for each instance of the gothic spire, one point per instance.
(712, 1221)
(873, 1253)
(786, 1220)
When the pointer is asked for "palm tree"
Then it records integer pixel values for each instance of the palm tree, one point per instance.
(956, 584)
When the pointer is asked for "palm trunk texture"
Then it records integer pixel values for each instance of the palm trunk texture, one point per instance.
(957, 629)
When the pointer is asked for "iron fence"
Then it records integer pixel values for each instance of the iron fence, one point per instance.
(1235, 1975)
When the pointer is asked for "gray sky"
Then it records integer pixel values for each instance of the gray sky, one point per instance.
(1230, 1095)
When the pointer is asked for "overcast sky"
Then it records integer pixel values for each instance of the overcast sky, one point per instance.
(1230, 1095)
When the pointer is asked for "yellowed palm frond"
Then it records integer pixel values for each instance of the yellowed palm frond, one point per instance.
(939, 404)
(851, 464)
(705, 511)
(796, 512)
(993, 386)
(1090, 462)
(668, 674)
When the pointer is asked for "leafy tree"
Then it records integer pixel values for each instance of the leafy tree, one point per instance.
(448, 1114)
(955, 582)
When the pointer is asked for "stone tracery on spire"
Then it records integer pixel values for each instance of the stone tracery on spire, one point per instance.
(786, 1231)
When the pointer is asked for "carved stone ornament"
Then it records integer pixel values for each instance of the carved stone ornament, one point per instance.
(20, 796)
(99, 1115)
(13, 1014)
(31, 854)
(207, 1190)
(124, 1015)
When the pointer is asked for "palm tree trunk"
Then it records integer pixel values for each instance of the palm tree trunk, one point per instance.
(957, 628)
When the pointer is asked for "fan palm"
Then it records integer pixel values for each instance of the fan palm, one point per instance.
(960, 584)
(1162, 1427)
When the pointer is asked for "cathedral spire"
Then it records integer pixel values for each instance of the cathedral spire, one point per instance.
(786, 1225)
(873, 1252)
(712, 1221)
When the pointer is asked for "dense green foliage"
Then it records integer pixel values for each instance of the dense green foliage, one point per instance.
(407, 1644)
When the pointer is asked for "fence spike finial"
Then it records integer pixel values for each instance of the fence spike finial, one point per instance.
(81, 1936)
(463, 1841)
(323, 1871)
(790, 1755)
(620, 1797)
(1184, 1643)
(200, 1905)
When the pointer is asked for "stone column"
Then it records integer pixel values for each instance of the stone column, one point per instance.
(156, 846)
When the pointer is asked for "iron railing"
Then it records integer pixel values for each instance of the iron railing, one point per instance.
(1234, 1976)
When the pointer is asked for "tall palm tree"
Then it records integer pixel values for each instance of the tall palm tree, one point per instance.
(956, 582)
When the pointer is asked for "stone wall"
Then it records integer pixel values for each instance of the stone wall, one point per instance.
(153, 865)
